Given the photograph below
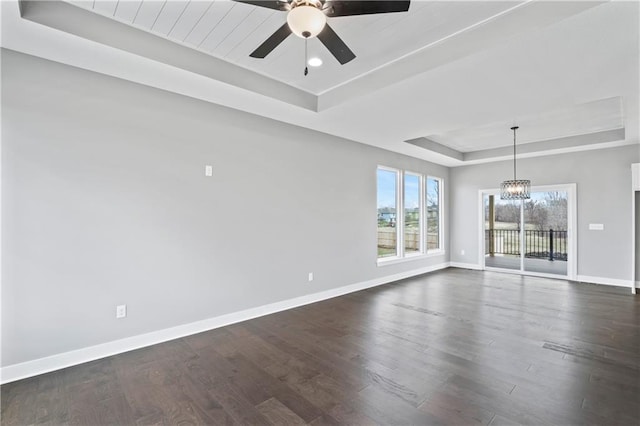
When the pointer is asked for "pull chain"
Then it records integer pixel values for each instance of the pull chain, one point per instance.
(306, 59)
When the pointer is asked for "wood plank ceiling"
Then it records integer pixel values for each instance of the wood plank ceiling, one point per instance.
(232, 30)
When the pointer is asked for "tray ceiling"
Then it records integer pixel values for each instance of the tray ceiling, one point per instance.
(449, 77)
(590, 117)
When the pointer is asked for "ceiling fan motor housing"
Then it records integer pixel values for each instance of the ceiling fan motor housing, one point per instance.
(306, 18)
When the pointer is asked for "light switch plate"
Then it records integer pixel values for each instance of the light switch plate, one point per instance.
(121, 311)
(596, 227)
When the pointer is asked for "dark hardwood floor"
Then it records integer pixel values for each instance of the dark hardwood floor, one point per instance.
(451, 347)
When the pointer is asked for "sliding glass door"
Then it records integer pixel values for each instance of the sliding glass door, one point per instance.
(546, 221)
(502, 232)
(531, 236)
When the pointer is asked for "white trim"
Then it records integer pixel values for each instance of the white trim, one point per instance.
(23, 370)
(633, 239)
(523, 233)
(1, 199)
(421, 215)
(400, 213)
(528, 273)
(461, 265)
(397, 225)
(481, 232)
(435, 252)
(604, 281)
(572, 221)
(546, 275)
(441, 211)
(504, 270)
(580, 278)
(384, 261)
(635, 186)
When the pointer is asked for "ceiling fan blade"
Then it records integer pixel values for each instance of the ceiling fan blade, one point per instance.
(269, 4)
(336, 46)
(335, 8)
(272, 42)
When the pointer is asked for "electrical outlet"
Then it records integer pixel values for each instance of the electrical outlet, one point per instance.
(462, 252)
(310, 276)
(208, 170)
(121, 311)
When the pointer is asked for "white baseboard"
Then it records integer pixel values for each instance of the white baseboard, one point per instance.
(579, 278)
(473, 266)
(604, 281)
(23, 370)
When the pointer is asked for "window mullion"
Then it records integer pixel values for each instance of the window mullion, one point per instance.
(400, 214)
(440, 214)
(423, 216)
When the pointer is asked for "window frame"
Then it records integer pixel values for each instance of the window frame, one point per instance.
(399, 221)
(421, 216)
(440, 214)
(401, 255)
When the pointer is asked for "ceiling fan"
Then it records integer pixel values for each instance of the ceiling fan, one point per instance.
(308, 19)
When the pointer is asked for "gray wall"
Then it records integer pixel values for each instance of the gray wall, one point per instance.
(603, 180)
(104, 202)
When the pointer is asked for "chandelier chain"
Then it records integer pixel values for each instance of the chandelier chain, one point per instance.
(514, 128)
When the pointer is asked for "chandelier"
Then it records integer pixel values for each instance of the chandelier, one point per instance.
(515, 189)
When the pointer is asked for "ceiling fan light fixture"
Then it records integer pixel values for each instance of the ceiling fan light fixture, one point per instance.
(306, 20)
(315, 62)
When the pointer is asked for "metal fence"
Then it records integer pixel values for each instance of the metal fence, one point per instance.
(550, 244)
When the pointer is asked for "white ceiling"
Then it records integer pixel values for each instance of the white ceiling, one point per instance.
(457, 73)
(588, 118)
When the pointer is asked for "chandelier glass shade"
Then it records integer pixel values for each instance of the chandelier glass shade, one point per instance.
(515, 189)
(306, 21)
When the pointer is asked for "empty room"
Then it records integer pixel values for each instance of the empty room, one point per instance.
(320, 212)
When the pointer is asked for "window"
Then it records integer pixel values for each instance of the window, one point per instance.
(409, 209)
(387, 206)
(434, 216)
(412, 217)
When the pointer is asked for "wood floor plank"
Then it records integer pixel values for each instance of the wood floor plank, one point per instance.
(51, 401)
(278, 414)
(18, 399)
(390, 408)
(502, 421)
(451, 409)
(252, 388)
(232, 400)
(452, 347)
(308, 354)
(347, 415)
